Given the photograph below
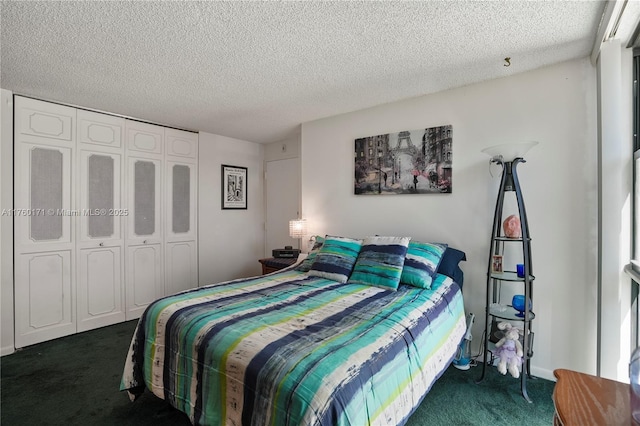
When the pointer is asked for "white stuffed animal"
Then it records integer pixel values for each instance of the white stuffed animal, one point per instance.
(509, 350)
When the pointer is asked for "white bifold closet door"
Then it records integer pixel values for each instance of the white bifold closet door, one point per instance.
(44, 237)
(106, 218)
(145, 278)
(100, 242)
(181, 248)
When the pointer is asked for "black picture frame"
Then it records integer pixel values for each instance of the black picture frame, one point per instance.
(234, 187)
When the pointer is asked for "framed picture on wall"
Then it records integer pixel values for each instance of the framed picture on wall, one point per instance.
(234, 187)
(408, 162)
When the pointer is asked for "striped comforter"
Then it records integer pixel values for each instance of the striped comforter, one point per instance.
(289, 349)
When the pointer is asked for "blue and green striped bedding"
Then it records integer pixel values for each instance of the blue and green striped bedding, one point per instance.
(289, 349)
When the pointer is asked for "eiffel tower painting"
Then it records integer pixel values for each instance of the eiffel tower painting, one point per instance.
(406, 162)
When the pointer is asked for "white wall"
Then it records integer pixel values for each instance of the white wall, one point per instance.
(284, 149)
(554, 105)
(6, 222)
(230, 241)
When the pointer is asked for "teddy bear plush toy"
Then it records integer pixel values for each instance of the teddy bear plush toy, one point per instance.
(509, 350)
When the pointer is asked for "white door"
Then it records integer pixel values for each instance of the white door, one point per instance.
(144, 239)
(44, 237)
(144, 235)
(100, 298)
(181, 267)
(283, 201)
(100, 242)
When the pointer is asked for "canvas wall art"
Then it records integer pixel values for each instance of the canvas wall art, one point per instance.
(407, 162)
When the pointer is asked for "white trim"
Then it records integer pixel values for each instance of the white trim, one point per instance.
(6, 224)
(604, 28)
(633, 270)
(619, 21)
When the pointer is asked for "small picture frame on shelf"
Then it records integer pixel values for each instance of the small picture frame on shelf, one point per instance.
(496, 263)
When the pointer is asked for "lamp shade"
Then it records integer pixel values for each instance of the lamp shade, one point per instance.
(507, 152)
(297, 228)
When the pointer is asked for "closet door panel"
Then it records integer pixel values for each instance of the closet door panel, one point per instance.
(100, 298)
(181, 207)
(144, 278)
(100, 130)
(44, 120)
(144, 201)
(43, 197)
(100, 191)
(181, 266)
(181, 144)
(44, 297)
(144, 138)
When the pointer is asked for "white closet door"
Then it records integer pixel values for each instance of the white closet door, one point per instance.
(44, 238)
(181, 268)
(100, 242)
(181, 249)
(144, 236)
(145, 281)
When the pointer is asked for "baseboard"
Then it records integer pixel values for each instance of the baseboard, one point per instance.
(7, 350)
(543, 373)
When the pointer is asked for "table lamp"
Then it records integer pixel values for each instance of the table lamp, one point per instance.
(298, 229)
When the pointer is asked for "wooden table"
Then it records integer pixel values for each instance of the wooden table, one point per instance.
(582, 399)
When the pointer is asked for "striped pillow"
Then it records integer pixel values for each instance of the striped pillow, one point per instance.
(305, 265)
(380, 262)
(336, 258)
(421, 263)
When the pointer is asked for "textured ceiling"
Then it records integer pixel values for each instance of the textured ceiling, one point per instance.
(256, 70)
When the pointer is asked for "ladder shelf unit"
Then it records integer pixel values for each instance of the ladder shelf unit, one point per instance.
(494, 311)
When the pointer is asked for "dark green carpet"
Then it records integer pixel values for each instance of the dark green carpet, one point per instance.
(75, 381)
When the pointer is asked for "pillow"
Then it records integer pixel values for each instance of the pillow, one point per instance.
(380, 262)
(336, 258)
(305, 265)
(421, 263)
(449, 264)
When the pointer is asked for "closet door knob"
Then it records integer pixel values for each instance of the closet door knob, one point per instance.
(101, 244)
(144, 242)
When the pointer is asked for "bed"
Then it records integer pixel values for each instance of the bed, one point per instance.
(291, 348)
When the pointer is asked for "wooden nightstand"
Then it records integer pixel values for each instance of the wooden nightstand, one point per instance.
(272, 264)
(582, 399)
